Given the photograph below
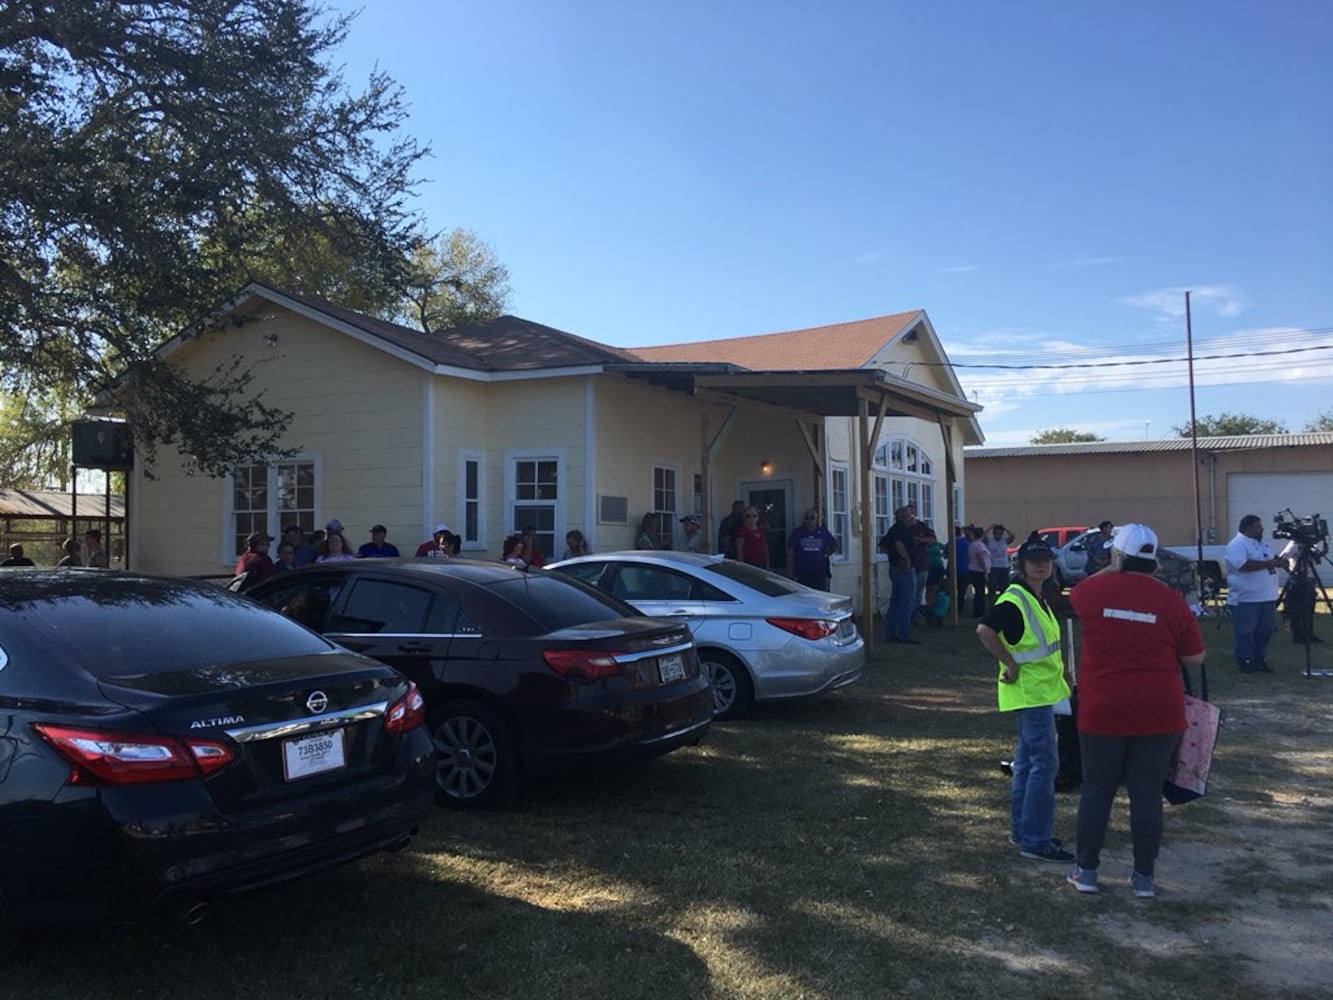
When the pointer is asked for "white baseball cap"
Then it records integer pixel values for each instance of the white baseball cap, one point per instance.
(1136, 540)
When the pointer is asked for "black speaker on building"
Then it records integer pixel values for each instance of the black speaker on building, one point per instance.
(103, 444)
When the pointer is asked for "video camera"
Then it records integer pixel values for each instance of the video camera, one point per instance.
(1308, 531)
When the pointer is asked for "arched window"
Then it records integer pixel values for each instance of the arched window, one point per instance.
(901, 472)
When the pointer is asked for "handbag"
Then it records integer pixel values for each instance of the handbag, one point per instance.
(1187, 772)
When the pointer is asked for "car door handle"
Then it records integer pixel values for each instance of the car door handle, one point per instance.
(415, 647)
(678, 614)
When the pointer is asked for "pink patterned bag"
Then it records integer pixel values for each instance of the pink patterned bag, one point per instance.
(1187, 773)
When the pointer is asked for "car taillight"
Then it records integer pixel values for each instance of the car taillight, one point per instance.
(406, 713)
(806, 628)
(110, 758)
(582, 665)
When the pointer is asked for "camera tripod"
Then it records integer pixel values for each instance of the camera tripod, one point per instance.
(1299, 597)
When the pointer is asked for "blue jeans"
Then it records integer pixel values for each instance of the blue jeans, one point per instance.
(902, 603)
(1252, 624)
(1032, 796)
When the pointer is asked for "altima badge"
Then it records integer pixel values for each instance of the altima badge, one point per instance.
(317, 702)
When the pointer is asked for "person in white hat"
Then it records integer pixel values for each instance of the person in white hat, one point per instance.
(433, 546)
(1136, 632)
(693, 540)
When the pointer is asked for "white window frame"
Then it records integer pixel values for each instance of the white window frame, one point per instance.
(465, 457)
(840, 515)
(273, 516)
(881, 512)
(512, 505)
(666, 518)
(893, 458)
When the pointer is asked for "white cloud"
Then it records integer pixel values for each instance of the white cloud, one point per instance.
(869, 257)
(959, 269)
(1169, 303)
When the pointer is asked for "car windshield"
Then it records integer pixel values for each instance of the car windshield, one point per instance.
(558, 602)
(767, 583)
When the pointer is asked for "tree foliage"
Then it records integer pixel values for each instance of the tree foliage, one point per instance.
(1321, 422)
(453, 280)
(1231, 425)
(156, 155)
(1062, 435)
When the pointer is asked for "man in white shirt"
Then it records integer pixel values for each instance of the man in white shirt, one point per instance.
(1252, 587)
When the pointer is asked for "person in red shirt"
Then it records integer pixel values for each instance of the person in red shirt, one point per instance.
(752, 540)
(433, 546)
(255, 564)
(1136, 633)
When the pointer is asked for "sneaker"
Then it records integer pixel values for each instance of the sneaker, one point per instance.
(1246, 667)
(1083, 879)
(1263, 667)
(1046, 852)
(1142, 886)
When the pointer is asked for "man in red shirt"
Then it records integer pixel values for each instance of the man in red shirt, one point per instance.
(1136, 632)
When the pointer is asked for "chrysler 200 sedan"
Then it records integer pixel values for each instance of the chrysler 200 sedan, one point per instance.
(163, 742)
(524, 672)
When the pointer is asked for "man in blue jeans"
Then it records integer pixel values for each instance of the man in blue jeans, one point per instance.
(1023, 634)
(898, 545)
(1252, 587)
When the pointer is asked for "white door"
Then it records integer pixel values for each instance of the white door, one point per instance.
(1264, 494)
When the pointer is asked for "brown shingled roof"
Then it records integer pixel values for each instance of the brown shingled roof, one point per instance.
(839, 346)
(503, 344)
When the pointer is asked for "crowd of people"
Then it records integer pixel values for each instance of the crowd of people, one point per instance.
(72, 553)
(1138, 636)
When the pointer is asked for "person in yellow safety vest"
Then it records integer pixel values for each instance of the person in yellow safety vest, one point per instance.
(1023, 633)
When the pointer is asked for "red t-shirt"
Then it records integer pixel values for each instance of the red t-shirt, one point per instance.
(1135, 630)
(754, 545)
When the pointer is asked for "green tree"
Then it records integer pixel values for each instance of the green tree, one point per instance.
(155, 154)
(454, 279)
(1062, 435)
(35, 440)
(1322, 422)
(1231, 425)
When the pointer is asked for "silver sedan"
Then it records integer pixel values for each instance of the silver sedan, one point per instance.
(761, 636)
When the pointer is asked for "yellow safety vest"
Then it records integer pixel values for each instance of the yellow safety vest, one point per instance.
(1041, 668)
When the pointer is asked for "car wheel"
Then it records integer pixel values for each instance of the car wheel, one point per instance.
(477, 764)
(732, 690)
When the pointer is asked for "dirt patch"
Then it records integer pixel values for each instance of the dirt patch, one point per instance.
(1273, 874)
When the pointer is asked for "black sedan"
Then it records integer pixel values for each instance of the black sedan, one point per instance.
(524, 672)
(163, 742)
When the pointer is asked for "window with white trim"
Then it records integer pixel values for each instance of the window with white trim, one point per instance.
(840, 521)
(269, 497)
(536, 494)
(883, 512)
(472, 506)
(910, 473)
(664, 505)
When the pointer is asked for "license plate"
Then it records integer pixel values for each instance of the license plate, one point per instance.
(671, 668)
(314, 754)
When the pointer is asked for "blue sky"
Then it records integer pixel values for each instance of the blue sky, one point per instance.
(1045, 179)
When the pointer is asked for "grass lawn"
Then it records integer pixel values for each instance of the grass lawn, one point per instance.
(849, 846)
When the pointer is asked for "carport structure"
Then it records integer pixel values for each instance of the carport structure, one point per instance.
(40, 520)
(808, 399)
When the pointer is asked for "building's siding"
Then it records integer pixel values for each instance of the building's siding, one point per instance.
(357, 410)
(1155, 487)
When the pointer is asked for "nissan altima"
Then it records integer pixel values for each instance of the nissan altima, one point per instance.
(760, 636)
(163, 742)
(524, 672)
